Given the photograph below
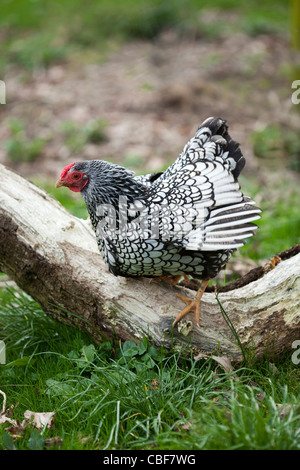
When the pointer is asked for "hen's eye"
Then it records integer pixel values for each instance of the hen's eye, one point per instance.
(76, 176)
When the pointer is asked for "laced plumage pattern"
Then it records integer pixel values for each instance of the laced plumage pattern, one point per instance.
(187, 220)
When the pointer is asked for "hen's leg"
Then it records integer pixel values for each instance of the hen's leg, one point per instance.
(173, 280)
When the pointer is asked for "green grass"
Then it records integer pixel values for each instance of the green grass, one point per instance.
(275, 144)
(21, 147)
(129, 396)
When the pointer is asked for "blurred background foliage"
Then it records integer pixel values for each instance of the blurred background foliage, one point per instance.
(40, 32)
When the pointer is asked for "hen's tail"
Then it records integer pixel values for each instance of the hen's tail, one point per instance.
(215, 130)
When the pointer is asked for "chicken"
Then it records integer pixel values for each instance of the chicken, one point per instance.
(185, 221)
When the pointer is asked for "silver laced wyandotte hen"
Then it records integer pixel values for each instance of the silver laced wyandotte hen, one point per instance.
(186, 221)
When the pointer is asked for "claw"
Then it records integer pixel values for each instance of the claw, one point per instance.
(192, 304)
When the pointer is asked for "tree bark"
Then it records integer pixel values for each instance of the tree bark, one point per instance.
(53, 256)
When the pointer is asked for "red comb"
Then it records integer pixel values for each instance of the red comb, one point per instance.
(65, 170)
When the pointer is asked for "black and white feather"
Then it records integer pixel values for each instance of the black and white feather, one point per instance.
(186, 220)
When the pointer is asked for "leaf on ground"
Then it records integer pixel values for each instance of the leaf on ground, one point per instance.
(223, 361)
(5, 419)
(88, 353)
(284, 410)
(53, 441)
(4, 401)
(40, 420)
(36, 441)
(8, 442)
(4, 413)
(21, 361)
(183, 426)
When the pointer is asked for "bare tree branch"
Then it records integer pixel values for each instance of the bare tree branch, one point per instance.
(53, 256)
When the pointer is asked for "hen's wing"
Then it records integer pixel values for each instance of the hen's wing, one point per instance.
(198, 198)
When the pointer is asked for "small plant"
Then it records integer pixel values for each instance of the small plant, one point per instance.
(292, 146)
(267, 143)
(19, 147)
(38, 50)
(275, 142)
(77, 136)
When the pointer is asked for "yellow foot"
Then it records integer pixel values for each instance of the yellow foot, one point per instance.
(192, 304)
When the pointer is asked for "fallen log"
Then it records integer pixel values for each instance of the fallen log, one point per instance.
(53, 256)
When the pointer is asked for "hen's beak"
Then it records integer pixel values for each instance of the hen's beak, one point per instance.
(60, 183)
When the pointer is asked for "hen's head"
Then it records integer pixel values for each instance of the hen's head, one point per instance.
(74, 179)
(99, 180)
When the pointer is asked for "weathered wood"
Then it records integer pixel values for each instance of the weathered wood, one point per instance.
(53, 256)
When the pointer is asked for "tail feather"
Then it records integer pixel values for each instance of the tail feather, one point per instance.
(219, 129)
(226, 228)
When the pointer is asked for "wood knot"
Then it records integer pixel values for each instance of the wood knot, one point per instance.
(271, 264)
